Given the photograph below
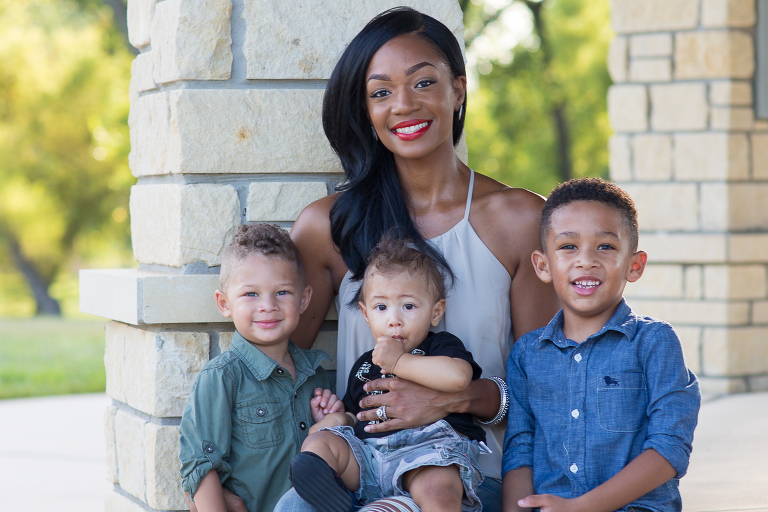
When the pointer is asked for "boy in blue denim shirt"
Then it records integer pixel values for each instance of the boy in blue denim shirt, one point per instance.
(252, 406)
(602, 407)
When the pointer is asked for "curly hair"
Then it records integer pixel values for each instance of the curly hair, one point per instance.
(590, 189)
(393, 255)
(269, 240)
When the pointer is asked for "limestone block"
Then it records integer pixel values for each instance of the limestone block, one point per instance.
(684, 248)
(617, 59)
(139, 17)
(191, 40)
(757, 383)
(230, 131)
(628, 108)
(760, 312)
(116, 502)
(735, 351)
(694, 282)
(730, 92)
(732, 118)
(166, 363)
(666, 207)
(652, 155)
(734, 282)
(747, 248)
(690, 339)
(679, 107)
(178, 224)
(693, 312)
(130, 441)
(141, 74)
(109, 438)
(140, 297)
(326, 340)
(620, 158)
(722, 385)
(727, 13)
(225, 341)
(658, 281)
(759, 155)
(711, 156)
(281, 201)
(285, 40)
(651, 45)
(650, 70)
(629, 16)
(761, 125)
(714, 54)
(164, 490)
(735, 206)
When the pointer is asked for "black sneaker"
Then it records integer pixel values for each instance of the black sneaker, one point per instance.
(318, 484)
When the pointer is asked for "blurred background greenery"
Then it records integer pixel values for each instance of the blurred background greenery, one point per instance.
(536, 116)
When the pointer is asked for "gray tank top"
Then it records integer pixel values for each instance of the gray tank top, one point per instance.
(477, 311)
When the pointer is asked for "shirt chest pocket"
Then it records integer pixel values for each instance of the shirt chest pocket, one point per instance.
(260, 421)
(622, 400)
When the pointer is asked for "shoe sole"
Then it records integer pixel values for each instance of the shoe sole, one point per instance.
(315, 481)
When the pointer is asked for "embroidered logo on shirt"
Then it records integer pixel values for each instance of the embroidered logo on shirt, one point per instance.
(611, 381)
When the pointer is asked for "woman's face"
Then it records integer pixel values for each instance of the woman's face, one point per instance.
(412, 96)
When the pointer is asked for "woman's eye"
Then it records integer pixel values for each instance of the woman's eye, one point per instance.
(381, 93)
(424, 83)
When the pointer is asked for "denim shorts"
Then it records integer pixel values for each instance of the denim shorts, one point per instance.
(384, 460)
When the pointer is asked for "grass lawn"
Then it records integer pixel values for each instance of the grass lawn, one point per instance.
(51, 356)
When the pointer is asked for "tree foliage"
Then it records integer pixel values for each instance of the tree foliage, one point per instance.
(64, 178)
(555, 75)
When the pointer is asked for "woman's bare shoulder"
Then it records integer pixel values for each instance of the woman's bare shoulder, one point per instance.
(312, 232)
(496, 202)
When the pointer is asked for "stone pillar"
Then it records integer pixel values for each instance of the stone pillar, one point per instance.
(225, 125)
(690, 151)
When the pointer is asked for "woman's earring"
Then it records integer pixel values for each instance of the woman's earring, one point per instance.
(461, 110)
(375, 135)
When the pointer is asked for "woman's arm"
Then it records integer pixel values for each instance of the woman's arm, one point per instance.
(323, 264)
(411, 405)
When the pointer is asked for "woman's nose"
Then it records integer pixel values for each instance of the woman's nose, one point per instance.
(404, 101)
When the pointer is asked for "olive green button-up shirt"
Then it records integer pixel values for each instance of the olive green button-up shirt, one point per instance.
(246, 418)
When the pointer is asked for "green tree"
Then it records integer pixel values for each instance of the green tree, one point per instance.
(538, 115)
(64, 74)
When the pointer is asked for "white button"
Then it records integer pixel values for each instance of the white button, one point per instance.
(577, 357)
(574, 468)
(575, 413)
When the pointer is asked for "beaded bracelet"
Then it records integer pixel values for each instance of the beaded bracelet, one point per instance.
(503, 391)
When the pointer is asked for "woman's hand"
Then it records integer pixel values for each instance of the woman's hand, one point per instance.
(408, 404)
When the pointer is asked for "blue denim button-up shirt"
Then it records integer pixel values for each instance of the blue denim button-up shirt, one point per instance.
(580, 412)
(246, 418)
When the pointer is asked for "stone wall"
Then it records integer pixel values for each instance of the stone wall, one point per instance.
(690, 151)
(225, 129)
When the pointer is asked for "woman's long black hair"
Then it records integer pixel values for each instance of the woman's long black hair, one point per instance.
(373, 202)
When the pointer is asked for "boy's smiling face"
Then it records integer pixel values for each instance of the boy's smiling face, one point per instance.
(264, 297)
(589, 260)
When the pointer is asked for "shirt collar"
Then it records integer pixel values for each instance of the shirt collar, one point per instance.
(262, 366)
(622, 321)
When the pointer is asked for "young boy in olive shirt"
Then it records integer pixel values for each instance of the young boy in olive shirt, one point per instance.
(252, 406)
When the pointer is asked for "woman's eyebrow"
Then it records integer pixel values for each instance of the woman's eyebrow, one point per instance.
(411, 70)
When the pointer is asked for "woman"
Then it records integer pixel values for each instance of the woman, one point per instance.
(393, 111)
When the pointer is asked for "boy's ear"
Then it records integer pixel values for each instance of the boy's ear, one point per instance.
(365, 312)
(305, 298)
(437, 312)
(222, 303)
(637, 266)
(541, 266)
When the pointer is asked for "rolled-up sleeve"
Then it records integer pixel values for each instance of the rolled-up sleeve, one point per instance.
(673, 397)
(518, 439)
(206, 429)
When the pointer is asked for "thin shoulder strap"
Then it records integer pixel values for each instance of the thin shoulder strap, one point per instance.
(469, 193)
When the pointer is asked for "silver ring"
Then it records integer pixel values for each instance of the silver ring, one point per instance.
(381, 412)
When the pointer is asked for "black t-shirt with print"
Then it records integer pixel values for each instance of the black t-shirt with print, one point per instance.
(435, 344)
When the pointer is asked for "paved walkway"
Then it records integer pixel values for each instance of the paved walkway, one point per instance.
(52, 455)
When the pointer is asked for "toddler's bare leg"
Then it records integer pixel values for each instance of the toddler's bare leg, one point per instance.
(336, 452)
(435, 488)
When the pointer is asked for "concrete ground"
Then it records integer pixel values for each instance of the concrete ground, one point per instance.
(52, 455)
